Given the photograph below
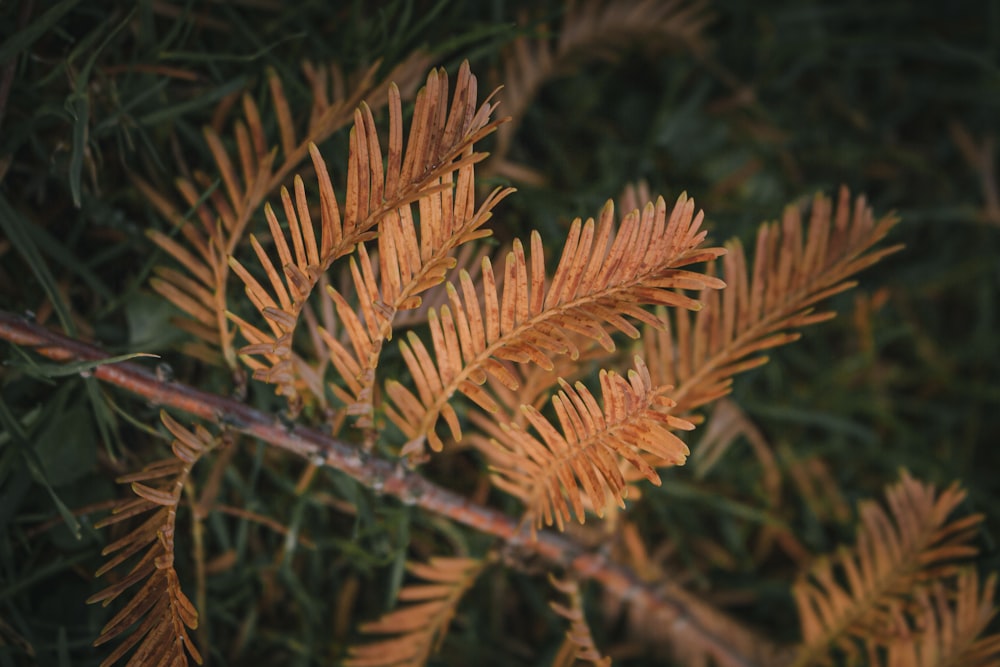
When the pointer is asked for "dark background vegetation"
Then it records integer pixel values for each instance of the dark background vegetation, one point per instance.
(896, 99)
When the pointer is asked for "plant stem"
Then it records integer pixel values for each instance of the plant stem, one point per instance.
(677, 613)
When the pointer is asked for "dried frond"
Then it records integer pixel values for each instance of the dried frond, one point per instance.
(533, 381)
(535, 387)
(858, 594)
(579, 644)
(469, 258)
(700, 355)
(408, 264)
(248, 176)
(590, 30)
(548, 473)
(949, 622)
(635, 195)
(439, 145)
(603, 278)
(155, 622)
(418, 627)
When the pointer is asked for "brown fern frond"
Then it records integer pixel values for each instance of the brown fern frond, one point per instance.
(579, 644)
(635, 195)
(548, 473)
(700, 355)
(534, 387)
(408, 264)
(949, 622)
(155, 622)
(603, 278)
(418, 627)
(469, 258)
(534, 383)
(590, 30)
(440, 144)
(345, 345)
(247, 176)
(857, 595)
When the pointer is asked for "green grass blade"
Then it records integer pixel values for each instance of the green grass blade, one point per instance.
(22, 39)
(15, 227)
(36, 468)
(61, 370)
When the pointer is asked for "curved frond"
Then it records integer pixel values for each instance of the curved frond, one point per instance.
(590, 30)
(407, 265)
(549, 473)
(856, 595)
(470, 258)
(439, 145)
(579, 644)
(758, 310)
(534, 383)
(155, 622)
(604, 278)
(420, 624)
(950, 620)
(246, 177)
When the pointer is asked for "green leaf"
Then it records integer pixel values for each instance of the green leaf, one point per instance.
(79, 108)
(66, 446)
(148, 318)
(61, 370)
(78, 105)
(22, 39)
(106, 423)
(35, 467)
(170, 112)
(15, 227)
(64, 257)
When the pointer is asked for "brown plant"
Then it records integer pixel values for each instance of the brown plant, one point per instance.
(503, 345)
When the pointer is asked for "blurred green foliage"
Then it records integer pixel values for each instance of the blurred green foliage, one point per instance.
(897, 99)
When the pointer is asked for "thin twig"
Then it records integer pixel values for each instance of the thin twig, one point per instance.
(680, 612)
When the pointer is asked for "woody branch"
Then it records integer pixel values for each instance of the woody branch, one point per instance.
(670, 603)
